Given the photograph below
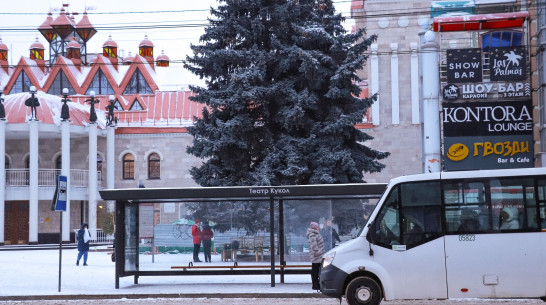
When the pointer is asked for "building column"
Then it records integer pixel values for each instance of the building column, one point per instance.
(33, 183)
(415, 115)
(375, 84)
(92, 189)
(395, 91)
(110, 161)
(431, 105)
(2, 180)
(65, 171)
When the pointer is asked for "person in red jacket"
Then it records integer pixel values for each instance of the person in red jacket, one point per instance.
(196, 233)
(206, 238)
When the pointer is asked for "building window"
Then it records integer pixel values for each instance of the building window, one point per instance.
(136, 105)
(37, 54)
(22, 84)
(137, 84)
(498, 39)
(100, 85)
(60, 82)
(6, 162)
(128, 166)
(154, 166)
(117, 106)
(59, 162)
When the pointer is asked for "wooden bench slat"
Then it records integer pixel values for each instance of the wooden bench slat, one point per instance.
(241, 267)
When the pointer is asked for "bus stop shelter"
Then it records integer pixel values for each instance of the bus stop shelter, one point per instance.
(143, 215)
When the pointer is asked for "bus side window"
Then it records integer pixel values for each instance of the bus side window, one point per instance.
(386, 226)
(421, 212)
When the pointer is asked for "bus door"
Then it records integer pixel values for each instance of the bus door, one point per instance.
(491, 249)
(408, 242)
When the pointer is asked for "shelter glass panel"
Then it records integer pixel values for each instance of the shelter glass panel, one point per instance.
(227, 232)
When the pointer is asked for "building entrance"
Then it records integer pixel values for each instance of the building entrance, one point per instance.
(16, 226)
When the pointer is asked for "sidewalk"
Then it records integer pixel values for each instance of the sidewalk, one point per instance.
(34, 274)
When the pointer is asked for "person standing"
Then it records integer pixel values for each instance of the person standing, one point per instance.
(316, 250)
(84, 237)
(196, 233)
(329, 235)
(206, 238)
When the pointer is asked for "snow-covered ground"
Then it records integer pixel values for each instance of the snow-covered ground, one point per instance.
(32, 273)
(36, 272)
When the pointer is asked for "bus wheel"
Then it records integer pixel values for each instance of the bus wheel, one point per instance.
(363, 291)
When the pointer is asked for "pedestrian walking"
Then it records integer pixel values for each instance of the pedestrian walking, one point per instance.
(84, 237)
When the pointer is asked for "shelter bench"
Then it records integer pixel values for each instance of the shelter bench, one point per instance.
(237, 266)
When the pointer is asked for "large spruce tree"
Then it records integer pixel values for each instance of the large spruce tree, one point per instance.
(281, 96)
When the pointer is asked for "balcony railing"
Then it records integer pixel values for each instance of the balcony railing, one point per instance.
(46, 177)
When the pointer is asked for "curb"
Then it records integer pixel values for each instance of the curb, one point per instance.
(165, 296)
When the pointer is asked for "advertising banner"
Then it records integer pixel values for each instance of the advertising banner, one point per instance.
(464, 65)
(472, 119)
(508, 64)
(488, 152)
(491, 91)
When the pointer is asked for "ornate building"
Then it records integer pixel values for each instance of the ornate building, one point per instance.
(140, 140)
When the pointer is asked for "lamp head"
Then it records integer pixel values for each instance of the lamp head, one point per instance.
(111, 98)
(32, 89)
(92, 93)
(65, 91)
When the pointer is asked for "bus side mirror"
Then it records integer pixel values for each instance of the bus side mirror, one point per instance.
(371, 232)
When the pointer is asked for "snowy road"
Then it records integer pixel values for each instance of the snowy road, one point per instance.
(266, 301)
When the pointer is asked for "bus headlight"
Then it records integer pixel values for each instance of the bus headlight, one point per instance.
(328, 259)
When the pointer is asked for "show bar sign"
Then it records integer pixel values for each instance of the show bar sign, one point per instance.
(500, 90)
(464, 65)
(487, 118)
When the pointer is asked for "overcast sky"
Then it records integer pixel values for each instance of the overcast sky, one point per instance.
(29, 15)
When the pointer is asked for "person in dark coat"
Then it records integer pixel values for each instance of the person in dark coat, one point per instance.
(206, 239)
(83, 244)
(329, 235)
(196, 234)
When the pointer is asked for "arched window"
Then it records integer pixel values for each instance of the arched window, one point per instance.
(59, 162)
(128, 166)
(154, 166)
(6, 162)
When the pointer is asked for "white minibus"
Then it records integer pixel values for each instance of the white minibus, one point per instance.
(472, 234)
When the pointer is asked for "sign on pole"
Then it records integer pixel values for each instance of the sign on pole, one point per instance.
(60, 202)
